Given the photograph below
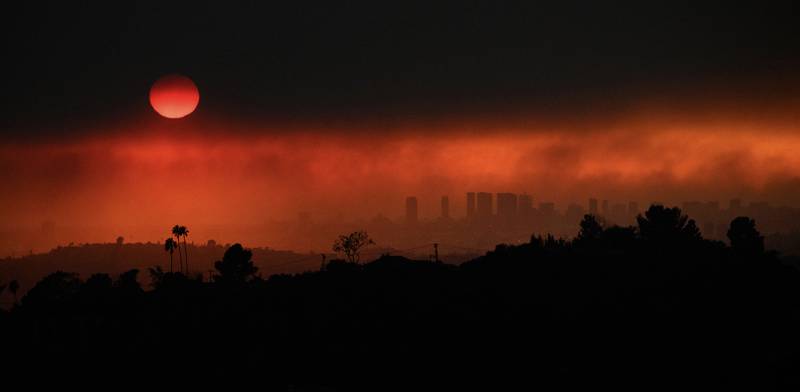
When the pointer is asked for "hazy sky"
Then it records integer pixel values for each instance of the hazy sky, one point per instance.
(351, 107)
(78, 63)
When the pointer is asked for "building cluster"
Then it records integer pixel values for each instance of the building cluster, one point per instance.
(508, 211)
(504, 209)
(481, 220)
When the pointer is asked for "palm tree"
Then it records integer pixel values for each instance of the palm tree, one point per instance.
(182, 231)
(169, 246)
(176, 231)
(185, 232)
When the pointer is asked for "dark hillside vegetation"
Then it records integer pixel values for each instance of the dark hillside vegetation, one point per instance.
(635, 307)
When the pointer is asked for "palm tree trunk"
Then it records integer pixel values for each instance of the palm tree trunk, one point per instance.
(170, 262)
(186, 253)
(180, 257)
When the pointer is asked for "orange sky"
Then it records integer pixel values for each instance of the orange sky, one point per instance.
(169, 172)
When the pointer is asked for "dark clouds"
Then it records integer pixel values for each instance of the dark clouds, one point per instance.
(77, 66)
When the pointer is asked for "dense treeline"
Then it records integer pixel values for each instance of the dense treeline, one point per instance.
(643, 306)
(116, 258)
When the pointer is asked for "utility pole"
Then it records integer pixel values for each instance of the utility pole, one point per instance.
(436, 252)
(322, 266)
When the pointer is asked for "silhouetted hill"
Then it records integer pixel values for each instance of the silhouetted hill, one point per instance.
(651, 306)
(111, 258)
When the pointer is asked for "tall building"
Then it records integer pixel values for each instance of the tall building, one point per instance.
(694, 209)
(483, 208)
(506, 205)
(605, 208)
(618, 212)
(574, 213)
(633, 208)
(546, 216)
(525, 206)
(735, 205)
(445, 207)
(547, 208)
(690, 206)
(593, 206)
(708, 230)
(411, 209)
(758, 208)
(470, 205)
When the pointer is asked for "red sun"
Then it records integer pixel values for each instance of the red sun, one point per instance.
(174, 96)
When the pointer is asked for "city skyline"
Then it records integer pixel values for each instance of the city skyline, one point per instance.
(526, 217)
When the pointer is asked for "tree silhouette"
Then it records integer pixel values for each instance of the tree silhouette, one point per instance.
(181, 231)
(13, 287)
(691, 231)
(52, 292)
(185, 233)
(591, 229)
(744, 237)
(175, 231)
(97, 282)
(351, 245)
(169, 246)
(666, 225)
(236, 265)
(127, 281)
(156, 276)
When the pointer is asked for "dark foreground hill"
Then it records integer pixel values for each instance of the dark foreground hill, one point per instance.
(644, 307)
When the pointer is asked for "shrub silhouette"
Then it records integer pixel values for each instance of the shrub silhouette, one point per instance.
(591, 229)
(236, 265)
(128, 281)
(352, 244)
(666, 225)
(13, 287)
(744, 237)
(97, 283)
(53, 291)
